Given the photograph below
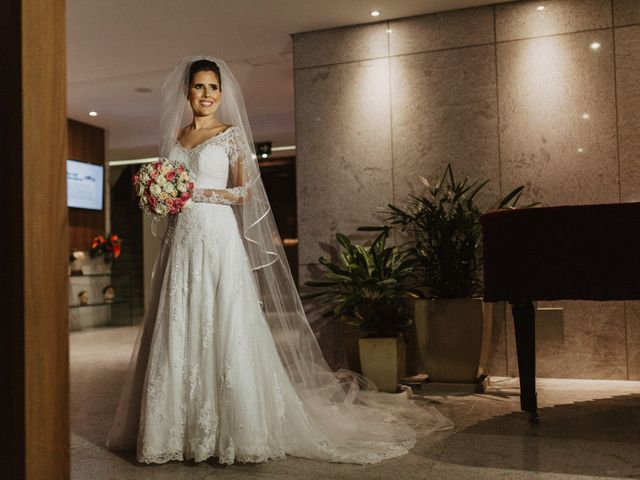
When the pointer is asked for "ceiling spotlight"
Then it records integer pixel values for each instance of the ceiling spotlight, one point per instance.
(389, 30)
(586, 116)
(540, 8)
(375, 13)
(595, 45)
(580, 150)
(93, 114)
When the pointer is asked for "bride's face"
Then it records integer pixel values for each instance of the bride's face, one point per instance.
(204, 93)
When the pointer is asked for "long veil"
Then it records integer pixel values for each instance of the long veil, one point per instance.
(358, 421)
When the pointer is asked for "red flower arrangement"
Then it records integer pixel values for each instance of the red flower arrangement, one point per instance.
(107, 245)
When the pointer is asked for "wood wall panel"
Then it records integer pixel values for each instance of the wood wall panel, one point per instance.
(44, 131)
(34, 347)
(85, 144)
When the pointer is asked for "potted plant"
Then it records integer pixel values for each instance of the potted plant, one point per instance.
(453, 325)
(369, 286)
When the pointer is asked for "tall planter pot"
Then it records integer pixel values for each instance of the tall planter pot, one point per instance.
(454, 337)
(383, 361)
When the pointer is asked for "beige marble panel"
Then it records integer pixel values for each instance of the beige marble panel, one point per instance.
(628, 96)
(545, 86)
(456, 28)
(626, 12)
(632, 315)
(339, 45)
(444, 110)
(594, 344)
(517, 20)
(343, 157)
(498, 355)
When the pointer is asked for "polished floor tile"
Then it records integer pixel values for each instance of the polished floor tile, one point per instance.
(590, 429)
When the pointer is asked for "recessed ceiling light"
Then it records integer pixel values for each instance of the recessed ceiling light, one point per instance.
(375, 13)
(595, 45)
(93, 114)
(264, 155)
(586, 116)
(540, 8)
(580, 150)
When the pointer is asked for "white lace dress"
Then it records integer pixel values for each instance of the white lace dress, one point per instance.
(214, 384)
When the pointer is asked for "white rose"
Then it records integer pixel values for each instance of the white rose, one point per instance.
(140, 190)
(187, 204)
(161, 180)
(164, 195)
(168, 187)
(182, 187)
(155, 189)
(184, 177)
(162, 209)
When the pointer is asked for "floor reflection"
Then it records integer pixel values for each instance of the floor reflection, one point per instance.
(588, 429)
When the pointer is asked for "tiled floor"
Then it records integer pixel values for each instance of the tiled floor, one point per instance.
(589, 429)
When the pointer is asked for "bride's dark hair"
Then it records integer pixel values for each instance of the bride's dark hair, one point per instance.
(203, 66)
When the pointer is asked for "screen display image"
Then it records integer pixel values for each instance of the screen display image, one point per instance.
(84, 185)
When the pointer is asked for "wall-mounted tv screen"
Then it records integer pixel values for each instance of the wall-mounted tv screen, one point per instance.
(85, 183)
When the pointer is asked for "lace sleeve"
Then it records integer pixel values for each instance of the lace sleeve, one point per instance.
(234, 149)
(239, 192)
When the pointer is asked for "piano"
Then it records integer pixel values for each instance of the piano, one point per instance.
(582, 252)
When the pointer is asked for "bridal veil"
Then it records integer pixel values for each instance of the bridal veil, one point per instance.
(359, 421)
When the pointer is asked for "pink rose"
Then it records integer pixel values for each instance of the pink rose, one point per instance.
(178, 203)
(136, 179)
(171, 175)
(181, 168)
(154, 174)
(190, 185)
(149, 182)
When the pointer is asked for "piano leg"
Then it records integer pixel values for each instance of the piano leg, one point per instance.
(524, 319)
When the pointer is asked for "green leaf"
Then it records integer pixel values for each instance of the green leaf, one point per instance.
(514, 193)
(344, 241)
(477, 189)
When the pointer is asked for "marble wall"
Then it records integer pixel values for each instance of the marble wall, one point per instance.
(507, 92)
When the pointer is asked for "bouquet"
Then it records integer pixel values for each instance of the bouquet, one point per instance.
(163, 187)
(107, 245)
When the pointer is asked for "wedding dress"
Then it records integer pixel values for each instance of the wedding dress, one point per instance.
(212, 374)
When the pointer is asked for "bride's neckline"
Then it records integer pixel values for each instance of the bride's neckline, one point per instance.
(204, 142)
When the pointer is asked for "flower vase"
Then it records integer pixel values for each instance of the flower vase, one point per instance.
(97, 265)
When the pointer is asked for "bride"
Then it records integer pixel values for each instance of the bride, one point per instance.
(225, 363)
